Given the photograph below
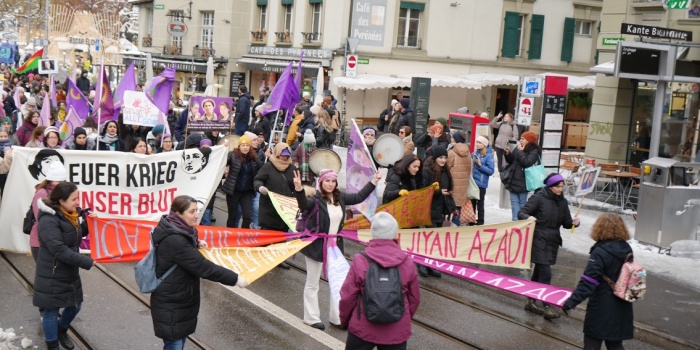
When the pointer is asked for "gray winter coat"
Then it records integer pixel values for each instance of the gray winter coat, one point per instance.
(506, 131)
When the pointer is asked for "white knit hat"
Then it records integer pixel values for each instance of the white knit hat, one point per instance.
(309, 136)
(483, 140)
(384, 226)
(56, 172)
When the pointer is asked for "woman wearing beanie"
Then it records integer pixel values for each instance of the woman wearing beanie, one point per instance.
(434, 137)
(482, 170)
(301, 157)
(436, 173)
(79, 140)
(383, 250)
(525, 155)
(551, 211)
(153, 138)
(327, 219)
(507, 130)
(52, 140)
(242, 165)
(54, 175)
(459, 162)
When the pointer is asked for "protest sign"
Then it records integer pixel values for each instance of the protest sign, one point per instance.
(286, 207)
(208, 113)
(138, 110)
(589, 177)
(114, 184)
(410, 210)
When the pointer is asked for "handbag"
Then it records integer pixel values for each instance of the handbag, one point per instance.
(473, 190)
(467, 216)
(449, 205)
(534, 176)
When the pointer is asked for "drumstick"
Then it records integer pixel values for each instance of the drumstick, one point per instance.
(580, 204)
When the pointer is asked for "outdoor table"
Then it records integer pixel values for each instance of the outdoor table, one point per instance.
(620, 187)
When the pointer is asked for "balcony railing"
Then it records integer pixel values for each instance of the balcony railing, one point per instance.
(283, 37)
(172, 50)
(410, 42)
(147, 41)
(258, 36)
(203, 52)
(314, 37)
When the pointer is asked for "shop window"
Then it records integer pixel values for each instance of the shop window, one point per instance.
(207, 39)
(313, 33)
(513, 34)
(409, 25)
(286, 15)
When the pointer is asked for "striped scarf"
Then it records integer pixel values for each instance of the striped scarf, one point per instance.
(306, 150)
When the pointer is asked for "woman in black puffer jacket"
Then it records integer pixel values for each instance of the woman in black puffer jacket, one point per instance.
(329, 204)
(175, 302)
(57, 282)
(404, 176)
(525, 155)
(551, 211)
(243, 165)
(608, 318)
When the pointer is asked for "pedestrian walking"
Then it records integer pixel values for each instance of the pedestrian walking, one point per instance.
(383, 250)
(57, 285)
(507, 132)
(329, 204)
(175, 302)
(482, 170)
(459, 162)
(550, 210)
(608, 318)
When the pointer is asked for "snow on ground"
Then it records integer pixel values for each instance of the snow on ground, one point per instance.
(683, 270)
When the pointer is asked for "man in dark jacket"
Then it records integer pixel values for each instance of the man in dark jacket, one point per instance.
(406, 118)
(260, 122)
(83, 83)
(242, 111)
(181, 125)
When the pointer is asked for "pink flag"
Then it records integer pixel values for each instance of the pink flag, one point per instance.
(45, 114)
(128, 83)
(16, 97)
(163, 120)
(74, 74)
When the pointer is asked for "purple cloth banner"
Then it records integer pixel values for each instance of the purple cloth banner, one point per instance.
(104, 101)
(359, 170)
(45, 114)
(128, 83)
(208, 113)
(161, 89)
(71, 122)
(76, 100)
(285, 94)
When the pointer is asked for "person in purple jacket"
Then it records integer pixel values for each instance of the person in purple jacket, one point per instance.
(383, 248)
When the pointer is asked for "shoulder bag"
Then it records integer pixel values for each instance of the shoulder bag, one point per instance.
(535, 175)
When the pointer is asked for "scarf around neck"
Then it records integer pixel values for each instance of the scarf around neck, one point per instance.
(72, 217)
(109, 139)
(181, 225)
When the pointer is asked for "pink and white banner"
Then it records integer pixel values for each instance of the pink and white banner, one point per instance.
(359, 170)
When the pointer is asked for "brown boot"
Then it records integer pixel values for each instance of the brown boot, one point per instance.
(533, 307)
(550, 313)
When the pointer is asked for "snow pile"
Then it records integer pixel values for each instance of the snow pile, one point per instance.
(8, 339)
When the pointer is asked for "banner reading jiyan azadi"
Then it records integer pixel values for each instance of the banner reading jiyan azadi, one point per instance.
(113, 184)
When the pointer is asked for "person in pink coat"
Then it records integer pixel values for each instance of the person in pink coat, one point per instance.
(383, 249)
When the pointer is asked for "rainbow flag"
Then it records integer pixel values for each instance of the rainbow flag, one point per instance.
(31, 63)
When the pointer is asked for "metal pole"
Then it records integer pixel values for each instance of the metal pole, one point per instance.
(47, 30)
(657, 119)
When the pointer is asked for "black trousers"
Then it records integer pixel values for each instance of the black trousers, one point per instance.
(478, 205)
(590, 343)
(499, 158)
(245, 199)
(542, 274)
(355, 343)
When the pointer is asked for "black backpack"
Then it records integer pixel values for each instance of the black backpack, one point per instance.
(29, 221)
(383, 295)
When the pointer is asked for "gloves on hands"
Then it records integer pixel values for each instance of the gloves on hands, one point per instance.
(263, 190)
(242, 282)
(403, 193)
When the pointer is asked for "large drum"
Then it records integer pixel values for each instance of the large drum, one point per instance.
(387, 149)
(323, 158)
(232, 141)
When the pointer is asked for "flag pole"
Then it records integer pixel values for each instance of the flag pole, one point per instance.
(99, 110)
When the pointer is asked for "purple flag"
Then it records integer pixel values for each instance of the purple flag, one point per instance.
(71, 122)
(76, 100)
(285, 94)
(359, 170)
(104, 102)
(45, 114)
(161, 88)
(53, 93)
(128, 83)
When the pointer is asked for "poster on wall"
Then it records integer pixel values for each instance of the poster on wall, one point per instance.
(209, 113)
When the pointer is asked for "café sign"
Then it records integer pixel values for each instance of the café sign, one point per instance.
(273, 51)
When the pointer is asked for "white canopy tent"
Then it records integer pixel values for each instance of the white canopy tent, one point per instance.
(370, 81)
(575, 82)
(490, 79)
(437, 80)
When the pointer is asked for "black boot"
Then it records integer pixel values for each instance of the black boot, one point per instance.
(64, 339)
(434, 273)
(423, 271)
(52, 345)
(533, 307)
(550, 313)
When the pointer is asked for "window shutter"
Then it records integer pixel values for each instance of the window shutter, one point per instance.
(536, 31)
(510, 34)
(412, 6)
(287, 2)
(315, 1)
(262, 2)
(567, 44)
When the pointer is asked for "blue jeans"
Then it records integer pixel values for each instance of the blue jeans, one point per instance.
(177, 344)
(50, 322)
(517, 202)
(206, 218)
